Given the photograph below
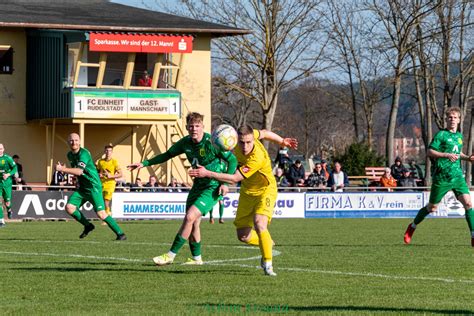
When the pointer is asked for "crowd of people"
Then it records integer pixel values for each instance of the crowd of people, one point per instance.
(293, 174)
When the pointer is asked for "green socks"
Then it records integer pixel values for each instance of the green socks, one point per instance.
(113, 225)
(178, 242)
(195, 248)
(470, 219)
(78, 216)
(422, 213)
(221, 210)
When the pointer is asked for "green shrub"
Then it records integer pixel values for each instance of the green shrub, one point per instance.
(358, 156)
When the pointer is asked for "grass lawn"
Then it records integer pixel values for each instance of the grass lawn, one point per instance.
(324, 266)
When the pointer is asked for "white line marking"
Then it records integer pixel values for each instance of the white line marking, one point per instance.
(361, 274)
(124, 243)
(228, 262)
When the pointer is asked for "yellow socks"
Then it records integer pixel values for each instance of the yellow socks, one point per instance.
(266, 244)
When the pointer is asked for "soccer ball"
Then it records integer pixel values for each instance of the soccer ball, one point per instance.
(224, 137)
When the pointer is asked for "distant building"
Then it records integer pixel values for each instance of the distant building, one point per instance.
(75, 66)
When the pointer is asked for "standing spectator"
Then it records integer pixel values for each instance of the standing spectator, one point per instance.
(317, 178)
(297, 174)
(338, 179)
(89, 188)
(109, 172)
(18, 180)
(416, 172)
(145, 80)
(59, 179)
(407, 181)
(152, 185)
(397, 168)
(283, 160)
(19, 167)
(387, 180)
(325, 169)
(7, 171)
(281, 179)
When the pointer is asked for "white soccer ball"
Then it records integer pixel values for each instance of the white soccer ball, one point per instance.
(224, 137)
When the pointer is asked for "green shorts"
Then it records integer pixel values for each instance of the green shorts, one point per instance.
(79, 198)
(439, 189)
(203, 199)
(6, 190)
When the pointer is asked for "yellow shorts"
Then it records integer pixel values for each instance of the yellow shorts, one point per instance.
(250, 205)
(107, 190)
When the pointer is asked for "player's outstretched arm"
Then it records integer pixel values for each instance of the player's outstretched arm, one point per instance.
(202, 172)
(134, 166)
(273, 137)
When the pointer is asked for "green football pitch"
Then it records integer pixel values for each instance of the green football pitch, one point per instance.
(324, 266)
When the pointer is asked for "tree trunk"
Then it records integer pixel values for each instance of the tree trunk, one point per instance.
(392, 123)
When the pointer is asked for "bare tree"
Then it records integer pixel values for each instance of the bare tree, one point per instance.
(285, 46)
(397, 21)
(352, 52)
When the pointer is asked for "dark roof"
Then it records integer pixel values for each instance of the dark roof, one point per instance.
(101, 15)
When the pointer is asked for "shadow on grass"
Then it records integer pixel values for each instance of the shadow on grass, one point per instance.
(114, 267)
(380, 309)
(283, 309)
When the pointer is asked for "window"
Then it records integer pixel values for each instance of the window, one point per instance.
(6, 60)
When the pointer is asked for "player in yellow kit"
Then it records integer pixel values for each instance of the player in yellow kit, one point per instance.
(109, 170)
(258, 191)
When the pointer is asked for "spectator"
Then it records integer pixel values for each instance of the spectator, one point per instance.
(338, 179)
(17, 179)
(325, 169)
(152, 185)
(283, 160)
(297, 174)
(145, 80)
(396, 169)
(281, 179)
(407, 181)
(174, 185)
(19, 166)
(59, 179)
(137, 186)
(416, 172)
(387, 180)
(317, 179)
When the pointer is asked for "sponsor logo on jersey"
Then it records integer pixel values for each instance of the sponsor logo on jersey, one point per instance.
(460, 141)
(202, 152)
(81, 164)
(245, 169)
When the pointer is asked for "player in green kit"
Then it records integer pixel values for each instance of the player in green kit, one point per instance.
(446, 150)
(222, 169)
(205, 192)
(89, 188)
(7, 170)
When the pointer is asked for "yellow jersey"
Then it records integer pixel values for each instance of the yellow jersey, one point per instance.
(256, 167)
(111, 166)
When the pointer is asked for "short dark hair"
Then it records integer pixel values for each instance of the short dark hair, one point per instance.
(245, 130)
(109, 146)
(15, 156)
(298, 161)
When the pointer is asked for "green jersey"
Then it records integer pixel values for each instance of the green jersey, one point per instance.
(444, 170)
(7, 165)
(89, 180)
(198, 154)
